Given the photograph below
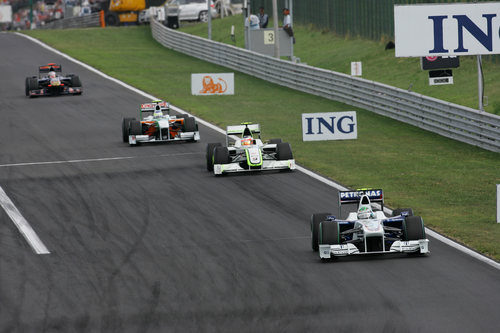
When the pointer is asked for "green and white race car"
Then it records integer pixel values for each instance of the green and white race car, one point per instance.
(248, 152)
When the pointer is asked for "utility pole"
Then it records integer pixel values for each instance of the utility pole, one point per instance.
(275, 25)
(209, 13)
(480, 88)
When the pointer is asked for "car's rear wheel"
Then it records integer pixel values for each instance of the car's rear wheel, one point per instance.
(135, 127)
(316, 219)
(126, 128)
(413, 228)
(329, 233)
(398, 211)
(189, 124)
(203, 16)
(210, 155)
(284, 151)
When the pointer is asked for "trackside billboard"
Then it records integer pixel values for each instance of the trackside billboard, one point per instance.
(329, 126)
(447, 29)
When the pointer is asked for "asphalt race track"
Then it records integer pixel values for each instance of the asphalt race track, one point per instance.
(144, 239)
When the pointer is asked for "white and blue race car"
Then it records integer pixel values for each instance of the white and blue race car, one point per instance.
(248, 152)
(367, 230)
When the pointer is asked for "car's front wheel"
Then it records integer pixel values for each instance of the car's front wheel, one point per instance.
(316, 219)
(203, 16)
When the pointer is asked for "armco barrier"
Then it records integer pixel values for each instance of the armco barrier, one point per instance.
(447, 119)
(86, 21)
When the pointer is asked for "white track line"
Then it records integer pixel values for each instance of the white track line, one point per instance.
(92, 160)
(21, 224)
(301, 169)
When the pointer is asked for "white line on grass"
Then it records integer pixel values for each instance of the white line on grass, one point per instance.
(301, 169)
(21, 224)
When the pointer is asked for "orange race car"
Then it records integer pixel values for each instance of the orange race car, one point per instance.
(157, 125)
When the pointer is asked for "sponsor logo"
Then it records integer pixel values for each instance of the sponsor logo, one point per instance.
(358, 194)
(329, 126)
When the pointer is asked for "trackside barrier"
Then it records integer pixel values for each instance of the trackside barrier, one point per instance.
(447, 119)
(86, 21)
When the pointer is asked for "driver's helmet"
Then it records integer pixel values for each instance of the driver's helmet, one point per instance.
(365, 212)
(247, 141)
(52, 74)
(157, 113)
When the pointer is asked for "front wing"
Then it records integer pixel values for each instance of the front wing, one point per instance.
(183, 136)
(49, 92)
(219, 169)
(341, 250)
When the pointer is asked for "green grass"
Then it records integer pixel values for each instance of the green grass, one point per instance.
(451, 184)
(326, 50)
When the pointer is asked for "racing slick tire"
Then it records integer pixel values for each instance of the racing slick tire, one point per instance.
(221, 155)
(26, 86)
(126, 128)
(329, 233)
(316, 219)
(275, 141)
(135, 127)
(398, 211)
(210, 155)
(75, 81)
(284, 151)
(413, 228)
(31, 84)
(189, 124)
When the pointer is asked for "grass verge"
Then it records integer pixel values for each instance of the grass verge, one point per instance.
(450, 184)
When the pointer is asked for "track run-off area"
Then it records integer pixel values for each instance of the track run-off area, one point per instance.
(144, 239)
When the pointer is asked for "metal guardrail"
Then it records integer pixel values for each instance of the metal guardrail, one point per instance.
(447, 119)
(86, 21)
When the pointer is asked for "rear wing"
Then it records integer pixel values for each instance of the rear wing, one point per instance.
(152, 106)
(239, 129)
(375, 195)
(49, 68)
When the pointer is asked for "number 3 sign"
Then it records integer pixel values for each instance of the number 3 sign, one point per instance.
(268, 37)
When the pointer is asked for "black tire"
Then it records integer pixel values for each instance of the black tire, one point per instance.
(284, 151)
(189, 124)
(75, 81)
(221, 155)
(398, 211)
(275, 141)
(413, 228)
(203, 16)
(27, 86)
(329, 233)
(126, 128)
(316, 219)
(135, 127)
(32, 84)
(112, 19)
(210, 155)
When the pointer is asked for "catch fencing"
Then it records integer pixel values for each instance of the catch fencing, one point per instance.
(447, 119)
(86, 21)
